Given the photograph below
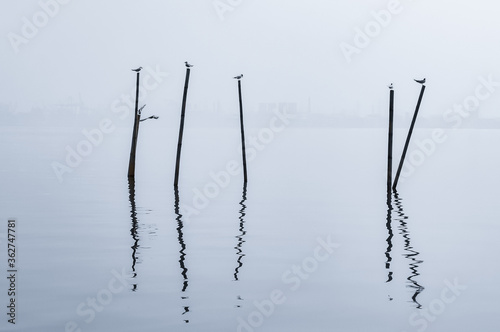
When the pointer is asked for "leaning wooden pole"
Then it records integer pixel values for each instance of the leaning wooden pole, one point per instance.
(135, 132)
(181, 129)
(389, 150)
(408, 137)
(242, 135)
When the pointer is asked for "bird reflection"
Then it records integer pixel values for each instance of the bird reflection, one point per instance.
(240, 237)
(134, 229)
(388, 224)
(182, 251)
(410, 253)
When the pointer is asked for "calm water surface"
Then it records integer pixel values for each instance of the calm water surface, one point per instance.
(312, 243)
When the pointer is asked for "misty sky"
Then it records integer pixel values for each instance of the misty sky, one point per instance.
(289, 51)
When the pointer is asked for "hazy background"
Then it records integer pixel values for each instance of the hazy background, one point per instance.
(288, 51)
(305, 183)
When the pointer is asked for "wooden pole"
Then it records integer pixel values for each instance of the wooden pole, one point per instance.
(242, 135)
(389, 152)
(408, 137)
(181, 129)
(135, 132)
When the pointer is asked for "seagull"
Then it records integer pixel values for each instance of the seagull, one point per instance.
(420, 81)
(390, 86)
(188, 65)
(239, 77)
(137, 70)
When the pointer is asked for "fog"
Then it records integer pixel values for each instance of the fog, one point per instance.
(313, 242)
(288, 51)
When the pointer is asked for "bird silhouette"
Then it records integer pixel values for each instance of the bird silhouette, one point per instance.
(137, 70)
(187, 64)
(420, 81)
(239, 77)
(390, 86)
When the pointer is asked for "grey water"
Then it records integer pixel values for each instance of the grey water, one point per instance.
(312, 243)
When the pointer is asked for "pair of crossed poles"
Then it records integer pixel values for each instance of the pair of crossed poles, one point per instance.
(390, 184)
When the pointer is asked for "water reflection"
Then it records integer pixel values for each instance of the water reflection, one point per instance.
(241, 241)
(388, 224)
(241, 236)
(182, 251)
(410, 253)
(134, 229)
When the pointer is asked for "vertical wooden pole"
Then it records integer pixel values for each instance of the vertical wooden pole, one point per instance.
(135, 132)
(242, 135)
(389, 152)
(181, 129)
(408, 137)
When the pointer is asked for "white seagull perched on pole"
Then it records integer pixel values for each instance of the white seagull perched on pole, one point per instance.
(187, 64)
(239, 77)
(390, 86)
(137, 70)
(420, 81)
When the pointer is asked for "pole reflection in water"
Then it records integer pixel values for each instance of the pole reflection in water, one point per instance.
(388, 224)
(182, 251)
(241, 236)
(241, 240)
(410, 253)
(134, 229)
